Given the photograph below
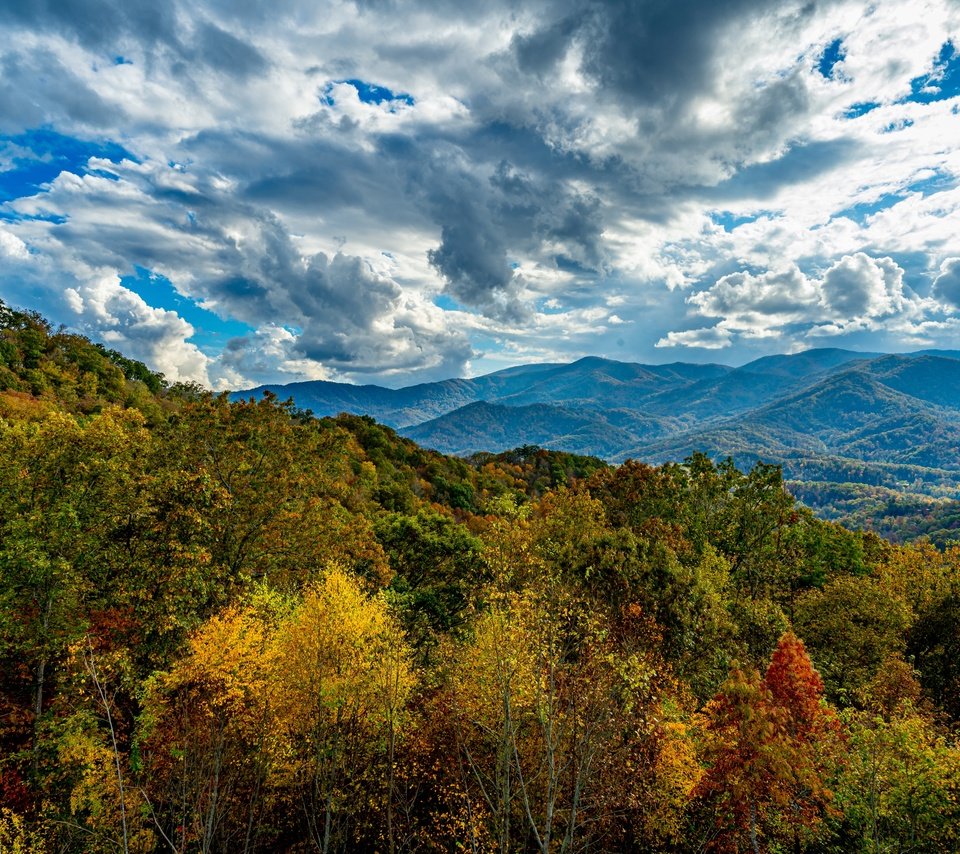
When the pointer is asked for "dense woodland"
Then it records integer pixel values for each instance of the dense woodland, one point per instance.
(233, 627)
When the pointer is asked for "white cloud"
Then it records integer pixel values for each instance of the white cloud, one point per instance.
(855, 293)
(12, 246)
(753, 304)
(120, 318)
(707, 338)
(858, 286)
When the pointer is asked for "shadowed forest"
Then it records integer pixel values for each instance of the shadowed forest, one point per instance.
(233, 627)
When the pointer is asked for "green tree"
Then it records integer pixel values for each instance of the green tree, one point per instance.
(851, 625)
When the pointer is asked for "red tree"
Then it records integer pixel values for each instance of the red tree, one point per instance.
(771, 745)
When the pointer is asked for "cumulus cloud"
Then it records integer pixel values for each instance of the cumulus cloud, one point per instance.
(240, 262)
(706, 338)
(756, 304)
(855, 293)
(858, 286)
(122, 319)
(946, 286)
(12, 246)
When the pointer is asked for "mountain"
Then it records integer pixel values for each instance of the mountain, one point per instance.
(495, 427)
(891, 421)
(826, 414)
(590, 382)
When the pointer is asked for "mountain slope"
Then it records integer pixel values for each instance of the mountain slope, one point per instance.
(824, 413)
(495, 427)
(850, 422)
(589, 382)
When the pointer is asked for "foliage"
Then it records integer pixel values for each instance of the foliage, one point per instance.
(900, 790)
(771, 746)
(230, 626)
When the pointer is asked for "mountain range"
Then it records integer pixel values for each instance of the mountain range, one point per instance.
(827, 415)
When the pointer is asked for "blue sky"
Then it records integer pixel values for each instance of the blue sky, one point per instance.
(271, 192)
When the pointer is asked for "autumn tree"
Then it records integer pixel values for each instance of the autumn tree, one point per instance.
(769, 752)
(343, 675)
(900, 788)
(208, 732)
(549, 705)
(65, 488)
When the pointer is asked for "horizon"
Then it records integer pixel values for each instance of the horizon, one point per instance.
(925, 351)
(275, 193)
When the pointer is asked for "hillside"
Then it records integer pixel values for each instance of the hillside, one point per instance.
(591, 382)
(826, 415)
(857, 414)
(496, 427)
(224, 625)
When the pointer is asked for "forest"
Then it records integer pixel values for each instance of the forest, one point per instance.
(234, 627)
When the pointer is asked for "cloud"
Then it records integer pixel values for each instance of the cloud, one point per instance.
(858, 286)
(706, 338)
(855, 293)
(12, 246)
(688, 158)
(124, 321)
(63, 95)
(946, 287)
(756, 304)
(654, 53)
(156, 30)
(472, 258)
(225, 52)
(241, 263)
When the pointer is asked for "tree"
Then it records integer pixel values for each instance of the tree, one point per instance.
(65, 488)
(900, 789)
(343, 675)
(770, 750)
(208, 730)
(852, 624)
(439, 573)
(548, 704)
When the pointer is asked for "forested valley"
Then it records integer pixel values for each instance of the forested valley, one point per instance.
(234, 627)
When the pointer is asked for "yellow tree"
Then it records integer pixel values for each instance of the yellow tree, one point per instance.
(542, 704)
(208, 737)
(342, 678)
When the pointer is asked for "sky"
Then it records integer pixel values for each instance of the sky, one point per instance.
(240, 192)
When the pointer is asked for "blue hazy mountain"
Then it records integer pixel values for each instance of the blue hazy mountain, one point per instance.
(826, 414)
(591, 382)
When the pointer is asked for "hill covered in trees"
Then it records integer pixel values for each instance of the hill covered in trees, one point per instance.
(825, 415)
(231, 626)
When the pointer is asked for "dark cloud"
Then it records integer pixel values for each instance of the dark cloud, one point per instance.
(97, 24)
(114, 27)
(227, 53)
(472, 255)
(578, 228)
(36, 89)
(650, 51)
(800, 163)
(540, 51)
(485, 226)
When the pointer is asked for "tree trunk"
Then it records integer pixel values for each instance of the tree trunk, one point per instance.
(753, 829)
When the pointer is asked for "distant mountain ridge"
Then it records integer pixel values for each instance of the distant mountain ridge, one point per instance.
(861, 417)
(590, 381)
